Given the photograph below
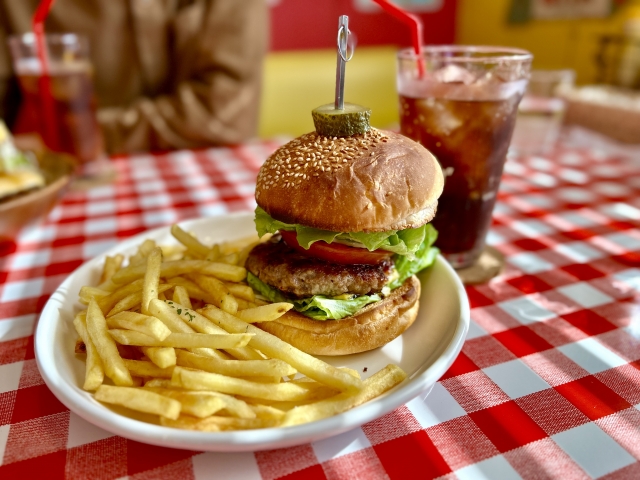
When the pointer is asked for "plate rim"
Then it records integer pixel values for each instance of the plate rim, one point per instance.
(82, 403)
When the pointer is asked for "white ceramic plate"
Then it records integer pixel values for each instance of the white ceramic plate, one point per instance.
(425, 352)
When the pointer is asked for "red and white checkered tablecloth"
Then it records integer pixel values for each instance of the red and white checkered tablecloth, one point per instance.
(547, 384)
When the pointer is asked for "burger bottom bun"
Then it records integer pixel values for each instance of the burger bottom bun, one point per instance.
(372, 327)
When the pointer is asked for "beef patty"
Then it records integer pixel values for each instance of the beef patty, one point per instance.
(300, 276)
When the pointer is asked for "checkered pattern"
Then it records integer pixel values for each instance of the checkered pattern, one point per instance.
(547, 384)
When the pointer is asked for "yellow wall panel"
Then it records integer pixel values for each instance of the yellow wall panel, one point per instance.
(554, 43)
(296, 82)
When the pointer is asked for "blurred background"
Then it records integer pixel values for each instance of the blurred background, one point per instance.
(598, 39)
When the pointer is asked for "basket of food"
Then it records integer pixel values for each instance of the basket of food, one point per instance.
(612, 111)
(31, 183)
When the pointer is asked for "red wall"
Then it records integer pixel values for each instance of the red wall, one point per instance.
(303, 24)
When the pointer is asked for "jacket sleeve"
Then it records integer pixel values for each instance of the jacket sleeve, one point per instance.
(214, 93)
(9, 96)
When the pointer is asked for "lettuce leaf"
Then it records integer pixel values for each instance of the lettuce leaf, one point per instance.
(425, 256)
(267, 224)
(401, 242)
(318, 307)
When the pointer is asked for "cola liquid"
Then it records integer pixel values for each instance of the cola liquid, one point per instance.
(470, 139)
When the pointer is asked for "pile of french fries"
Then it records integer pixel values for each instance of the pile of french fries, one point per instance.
(171, 334)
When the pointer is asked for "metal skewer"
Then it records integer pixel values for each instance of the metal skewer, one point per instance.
(343, 58)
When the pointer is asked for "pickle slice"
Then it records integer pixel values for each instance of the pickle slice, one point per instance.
(353, 120)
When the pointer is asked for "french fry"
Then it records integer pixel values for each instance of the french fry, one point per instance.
(137, 381)
(94, 371)
(160, 383)
(244, 252)
(229, 258)
(265, 379)
(214, 254)
(139, 399)
(273, 347)
(111, 266)
(350, 371)
(140, 368)
(108, 302)
(133, 300)
(233, 406)
(216, 423)
(113, 364)
(167, 313)
(172, 252)
(245, 292)
(192, 243)
(151, 278)
(221, 271)
(181, 340)
(243, 304)
(316, 393)
(190, 320)
(235, 368)
(163, 357)
(138, 322)
(240, 243)
(264, 313)
(193, 290)
(267, 412)
(194, 380)
(87, 293)
(198, 404)
(222, 297)
(144, 249)
(181, 296)
(375, 385)
(108, 286)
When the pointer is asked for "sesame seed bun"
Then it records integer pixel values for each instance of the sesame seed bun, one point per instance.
(372, 327)
(374, 182)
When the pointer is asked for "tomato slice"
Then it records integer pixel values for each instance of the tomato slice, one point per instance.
(336, 252)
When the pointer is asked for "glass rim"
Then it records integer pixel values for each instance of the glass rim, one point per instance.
(491, 53)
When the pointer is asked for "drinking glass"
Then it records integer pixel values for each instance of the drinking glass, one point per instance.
(60, 104)
(463, 109)
(541, 112)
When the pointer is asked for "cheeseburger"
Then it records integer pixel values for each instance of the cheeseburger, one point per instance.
(350, 222)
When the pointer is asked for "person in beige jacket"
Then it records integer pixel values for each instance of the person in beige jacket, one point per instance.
(168, 73)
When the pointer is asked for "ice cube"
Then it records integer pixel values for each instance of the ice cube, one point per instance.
(454, 74)
(437, 114)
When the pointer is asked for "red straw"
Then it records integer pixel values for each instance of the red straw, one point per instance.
(44, 81)
(414, 23)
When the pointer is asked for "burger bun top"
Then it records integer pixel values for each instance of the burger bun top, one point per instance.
(375, 182)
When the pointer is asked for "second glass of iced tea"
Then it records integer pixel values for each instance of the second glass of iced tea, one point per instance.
(60, 104)
(462, 107)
